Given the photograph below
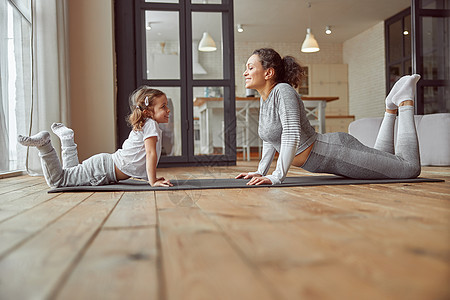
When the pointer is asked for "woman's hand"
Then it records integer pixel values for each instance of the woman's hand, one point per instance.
(259, 180)
(161, 181)
(247, 175)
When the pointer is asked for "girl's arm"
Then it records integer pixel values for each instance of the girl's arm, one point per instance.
(151, 163)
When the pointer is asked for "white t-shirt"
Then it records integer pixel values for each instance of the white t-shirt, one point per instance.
(131, 159)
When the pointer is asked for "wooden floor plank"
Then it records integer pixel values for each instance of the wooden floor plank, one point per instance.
(135, 209)
(16, 202)
(18, 229)
(396, 200)
(384, 241)
(198, 261)
(40, 263)
(16, 184)
(123, 260)
(432, 266)
(120, 264)
(19, 179)
(283, 254)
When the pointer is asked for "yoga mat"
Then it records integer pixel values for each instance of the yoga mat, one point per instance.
(138, 185)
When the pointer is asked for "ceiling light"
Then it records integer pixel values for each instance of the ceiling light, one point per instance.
(406, 32)
(240, 28)
(207, 43)
(328, 29)
(309, 44)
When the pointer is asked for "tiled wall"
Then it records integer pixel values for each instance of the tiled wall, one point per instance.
(365, 56)
(330, 53)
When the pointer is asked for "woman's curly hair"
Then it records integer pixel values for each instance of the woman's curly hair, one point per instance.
(287, 69)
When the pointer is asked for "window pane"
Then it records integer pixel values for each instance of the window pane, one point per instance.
(171, 139)
(395, 41)
(395, 72)
(408, 67)
(162, 45)
(436, 99)
(435, 48)
(162, 1)
(207, 64)
(24, 6)
(407, 35)
(209, 137)
(206, 2)
(247, 120)
(435, 4)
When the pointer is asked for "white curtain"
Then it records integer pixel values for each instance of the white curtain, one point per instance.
(15, 80)
(4, 144)
(50, 72)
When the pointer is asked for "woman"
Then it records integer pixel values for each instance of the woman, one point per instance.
(284, 128)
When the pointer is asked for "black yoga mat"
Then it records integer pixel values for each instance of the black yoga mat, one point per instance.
(220, 183)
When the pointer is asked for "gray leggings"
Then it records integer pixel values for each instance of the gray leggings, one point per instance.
(342, 154)
(96, 170)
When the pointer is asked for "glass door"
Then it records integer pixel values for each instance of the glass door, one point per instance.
(432, 55)
(185, 49)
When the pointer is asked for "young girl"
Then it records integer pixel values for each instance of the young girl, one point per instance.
(284, 127)
(138, 157)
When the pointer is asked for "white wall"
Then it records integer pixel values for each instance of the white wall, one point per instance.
(92, 76)
(330, 53)
(365, 56)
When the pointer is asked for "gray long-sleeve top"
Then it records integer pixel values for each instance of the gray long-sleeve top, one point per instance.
(283, 127)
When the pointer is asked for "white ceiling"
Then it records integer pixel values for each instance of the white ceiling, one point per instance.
(287, 20)
(284, 20)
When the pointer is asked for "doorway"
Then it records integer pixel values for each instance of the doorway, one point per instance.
(164, 44)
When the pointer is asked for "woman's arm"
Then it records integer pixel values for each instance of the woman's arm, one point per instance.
(268, 152)
(151, 163)
(288, 106)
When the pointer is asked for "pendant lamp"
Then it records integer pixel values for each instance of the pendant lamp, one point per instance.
(310, 44)
(207, 43)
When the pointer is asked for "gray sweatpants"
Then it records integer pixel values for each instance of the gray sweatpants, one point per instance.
(342, 154)
(96, 170)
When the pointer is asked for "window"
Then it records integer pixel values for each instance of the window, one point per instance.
(398, 47)
(15, 80)
(431, 19)
(417, 41)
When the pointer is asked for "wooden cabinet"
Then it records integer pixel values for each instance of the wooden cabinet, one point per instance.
(329, 80)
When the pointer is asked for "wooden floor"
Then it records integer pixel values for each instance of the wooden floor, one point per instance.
(389, 241)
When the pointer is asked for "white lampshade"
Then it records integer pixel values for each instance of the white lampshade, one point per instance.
(207, 43)
(310, 44)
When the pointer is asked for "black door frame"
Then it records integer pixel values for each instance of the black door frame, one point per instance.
(416, 18)
(130, 38)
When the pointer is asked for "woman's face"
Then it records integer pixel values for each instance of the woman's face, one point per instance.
(161, 111)
(255, 75)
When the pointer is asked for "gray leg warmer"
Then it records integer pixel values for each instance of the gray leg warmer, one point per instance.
(96, 170)
(342, 154)
(385, 137)
(69, 153)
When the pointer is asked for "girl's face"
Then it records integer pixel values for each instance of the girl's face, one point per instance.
(255, 75)
(160, 110)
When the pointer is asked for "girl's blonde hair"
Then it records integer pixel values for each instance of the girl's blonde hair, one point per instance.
(140, 100)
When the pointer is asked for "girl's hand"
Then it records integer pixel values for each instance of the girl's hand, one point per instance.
(161, 181)
(259, 180)
(247, 176)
